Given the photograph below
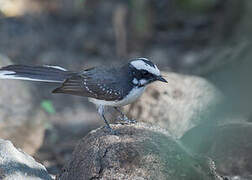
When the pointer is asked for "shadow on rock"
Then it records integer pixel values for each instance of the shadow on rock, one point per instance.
(229, 145)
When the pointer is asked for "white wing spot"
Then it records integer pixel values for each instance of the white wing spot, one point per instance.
(89, 90)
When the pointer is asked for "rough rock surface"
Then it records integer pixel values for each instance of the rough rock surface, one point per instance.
(229, 145)
(177, 106)
(17, 165)
(139, 151)
(19, 121)
(238, 177)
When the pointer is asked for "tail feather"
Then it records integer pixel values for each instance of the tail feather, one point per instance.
(35, 73)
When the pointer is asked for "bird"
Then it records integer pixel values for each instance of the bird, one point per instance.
(115, 86)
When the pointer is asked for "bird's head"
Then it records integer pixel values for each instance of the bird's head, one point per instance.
(144, 72)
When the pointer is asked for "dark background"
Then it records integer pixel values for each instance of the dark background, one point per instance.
(210, 38)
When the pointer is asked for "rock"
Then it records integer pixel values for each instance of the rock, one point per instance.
(139, 151)
(177, 106)
(20, 121)
(239, 178)
(229, 145)
(15, 164)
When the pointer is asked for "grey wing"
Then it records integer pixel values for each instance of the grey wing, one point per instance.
(90, 83)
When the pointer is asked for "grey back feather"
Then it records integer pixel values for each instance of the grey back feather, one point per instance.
(108, 84)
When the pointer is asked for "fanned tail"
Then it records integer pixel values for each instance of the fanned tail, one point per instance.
(54, 74)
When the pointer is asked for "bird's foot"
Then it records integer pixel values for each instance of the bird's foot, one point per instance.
(126, 120)
(111, 131)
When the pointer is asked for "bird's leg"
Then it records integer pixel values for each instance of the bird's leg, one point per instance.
(101, 113)
(124, 117)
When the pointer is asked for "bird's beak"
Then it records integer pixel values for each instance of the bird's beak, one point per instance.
(160, 78)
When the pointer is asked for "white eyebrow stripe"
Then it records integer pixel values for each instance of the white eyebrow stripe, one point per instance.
(141, 65)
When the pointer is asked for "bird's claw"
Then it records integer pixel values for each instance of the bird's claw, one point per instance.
(111, 131)
(126, 120)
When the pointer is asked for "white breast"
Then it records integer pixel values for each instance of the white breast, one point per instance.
(133, 95)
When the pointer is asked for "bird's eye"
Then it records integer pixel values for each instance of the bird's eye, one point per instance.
(144, 72)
